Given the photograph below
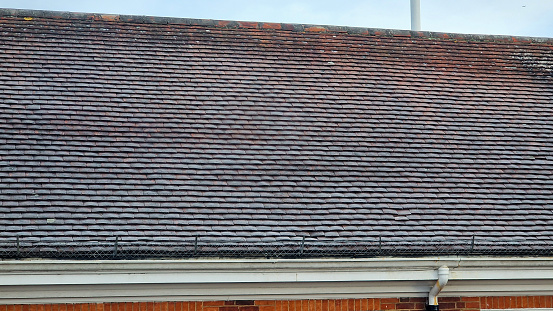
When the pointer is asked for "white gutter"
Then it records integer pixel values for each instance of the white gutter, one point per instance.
(443, 277)
(50, 281)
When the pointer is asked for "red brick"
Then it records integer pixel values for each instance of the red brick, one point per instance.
(348, 305)
(264, 302)
(532, 301)
(542, 301)
(351, 305)
(495, 302)
(519, 302)
(470, 299)
(363, 304)
(408, 305)
(318, 305)
(472, 305)
(388, 303)
(377, 304)
(338, 305)
(525, 302)
(244, 302)
(449, 299)
(447, 305)
(507, 302)
(418, 299)
(460, 305)
(485, 303)
(370, 304)
(536, 301)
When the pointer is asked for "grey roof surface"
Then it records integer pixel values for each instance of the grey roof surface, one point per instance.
(171, 129)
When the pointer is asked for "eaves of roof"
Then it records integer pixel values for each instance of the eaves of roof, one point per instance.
(177, 280)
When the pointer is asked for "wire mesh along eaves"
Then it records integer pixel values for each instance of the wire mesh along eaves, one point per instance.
(114, 249)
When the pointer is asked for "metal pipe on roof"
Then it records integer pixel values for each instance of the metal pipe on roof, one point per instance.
(415, 15)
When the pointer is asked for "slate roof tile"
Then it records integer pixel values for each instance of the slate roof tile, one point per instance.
(164, 131)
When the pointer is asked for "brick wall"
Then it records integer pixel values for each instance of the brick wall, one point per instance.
(446, 304)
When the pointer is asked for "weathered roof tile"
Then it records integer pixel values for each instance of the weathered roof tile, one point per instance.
(152, 128)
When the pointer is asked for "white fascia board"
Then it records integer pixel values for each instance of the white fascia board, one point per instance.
(45, 281)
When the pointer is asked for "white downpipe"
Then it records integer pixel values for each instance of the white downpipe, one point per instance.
(443, 277)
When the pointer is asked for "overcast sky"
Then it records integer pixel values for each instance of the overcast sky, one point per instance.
(507, 17)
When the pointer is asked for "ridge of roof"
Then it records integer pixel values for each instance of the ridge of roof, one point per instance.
(141, 19)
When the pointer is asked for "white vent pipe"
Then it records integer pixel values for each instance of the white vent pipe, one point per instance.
(415, 15)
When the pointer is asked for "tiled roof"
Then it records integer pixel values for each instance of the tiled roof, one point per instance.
(168, 129)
